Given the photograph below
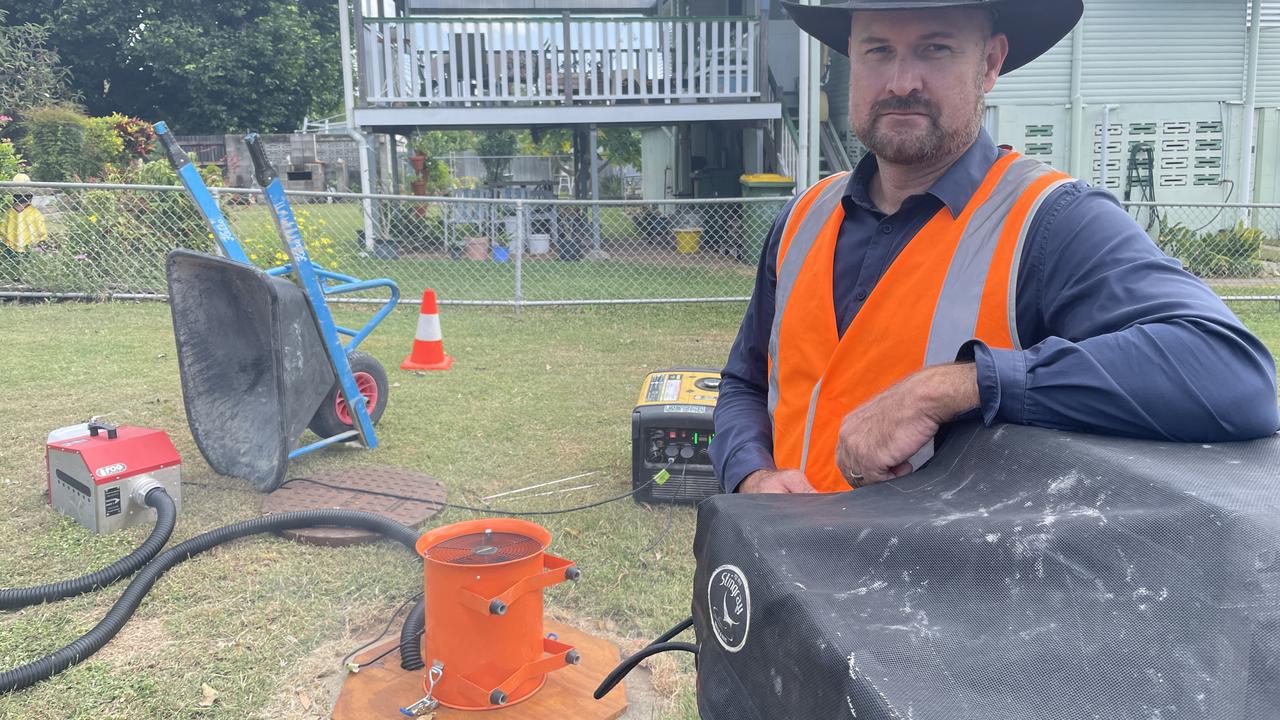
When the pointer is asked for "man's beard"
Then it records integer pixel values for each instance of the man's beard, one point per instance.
(917, 147)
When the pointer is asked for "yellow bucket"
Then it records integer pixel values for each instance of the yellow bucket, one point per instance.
(687, 241)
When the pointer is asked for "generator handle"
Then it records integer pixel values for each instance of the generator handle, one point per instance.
(95, 426)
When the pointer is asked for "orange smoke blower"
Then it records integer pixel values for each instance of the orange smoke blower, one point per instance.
(484, 644)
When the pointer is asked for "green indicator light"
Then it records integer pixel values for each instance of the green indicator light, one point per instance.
(695, 438)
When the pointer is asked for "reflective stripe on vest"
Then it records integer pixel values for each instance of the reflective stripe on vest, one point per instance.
(955, 280)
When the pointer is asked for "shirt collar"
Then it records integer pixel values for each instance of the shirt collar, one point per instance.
(956, 186)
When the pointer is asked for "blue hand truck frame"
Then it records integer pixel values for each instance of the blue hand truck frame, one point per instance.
(316, 282)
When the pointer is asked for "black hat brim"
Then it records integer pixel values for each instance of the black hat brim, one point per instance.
(1032, 26)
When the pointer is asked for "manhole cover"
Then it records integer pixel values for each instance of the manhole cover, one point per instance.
(355, 489)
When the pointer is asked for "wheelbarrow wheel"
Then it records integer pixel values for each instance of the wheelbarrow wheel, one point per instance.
(333, 417)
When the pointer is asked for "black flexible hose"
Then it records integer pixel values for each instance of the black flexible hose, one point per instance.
(92, 641)
(410, 646)
(680, 627)
(615, 675)
(166, 518)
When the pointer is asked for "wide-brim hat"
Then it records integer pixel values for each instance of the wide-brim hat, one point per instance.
(1033, 26)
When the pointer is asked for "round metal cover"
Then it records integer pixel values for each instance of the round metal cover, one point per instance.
(353, 489)
(484, 548)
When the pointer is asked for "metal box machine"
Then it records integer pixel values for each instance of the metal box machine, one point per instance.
(672, 429)
(99, 478)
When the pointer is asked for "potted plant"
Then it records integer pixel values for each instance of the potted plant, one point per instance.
(419, 157)
(418, 182)
(474, 243)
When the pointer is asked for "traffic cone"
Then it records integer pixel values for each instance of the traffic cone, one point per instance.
(428, 344)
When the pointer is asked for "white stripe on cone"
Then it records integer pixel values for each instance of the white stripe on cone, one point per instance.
(428, 328)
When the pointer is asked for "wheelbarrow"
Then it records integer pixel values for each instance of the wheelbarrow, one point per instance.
(260, 356)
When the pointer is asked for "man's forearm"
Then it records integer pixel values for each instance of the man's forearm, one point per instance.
(744, 435)
(946, 391)
(1183, 380)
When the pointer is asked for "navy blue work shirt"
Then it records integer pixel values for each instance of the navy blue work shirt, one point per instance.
(1118, 338)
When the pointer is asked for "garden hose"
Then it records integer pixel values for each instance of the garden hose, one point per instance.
(166, 518)
(660, 644)
(119, 614)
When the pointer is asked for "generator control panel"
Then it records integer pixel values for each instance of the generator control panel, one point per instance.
(672, 430)
(678, 444)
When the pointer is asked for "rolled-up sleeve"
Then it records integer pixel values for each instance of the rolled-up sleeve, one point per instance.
(744, 434)
(1119, 339)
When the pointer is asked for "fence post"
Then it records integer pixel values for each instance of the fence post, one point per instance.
(518, 249)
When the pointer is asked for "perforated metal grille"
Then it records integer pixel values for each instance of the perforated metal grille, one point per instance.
(484, 548)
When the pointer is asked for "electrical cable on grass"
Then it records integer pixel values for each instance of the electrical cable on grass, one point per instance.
(671, 504)
(469, 508)
(381, 635)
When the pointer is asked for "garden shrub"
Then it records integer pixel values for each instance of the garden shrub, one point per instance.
(1226, 253)
(54, 143)
(116, 240)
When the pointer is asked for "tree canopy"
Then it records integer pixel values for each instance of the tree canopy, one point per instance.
(30, 74)
(222, 66)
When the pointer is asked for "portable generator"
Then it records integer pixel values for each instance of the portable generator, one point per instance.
(671, 430)
(99, 474)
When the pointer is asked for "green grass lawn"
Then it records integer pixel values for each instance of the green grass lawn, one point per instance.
(533, 396)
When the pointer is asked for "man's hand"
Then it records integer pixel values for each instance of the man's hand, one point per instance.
(776, 481)
(878, 438)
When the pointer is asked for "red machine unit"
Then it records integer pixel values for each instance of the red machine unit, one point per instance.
(100, 478)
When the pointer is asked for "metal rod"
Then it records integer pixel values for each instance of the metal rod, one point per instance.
(558, 492)
(541, 485)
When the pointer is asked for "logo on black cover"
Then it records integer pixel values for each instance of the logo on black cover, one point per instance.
(729, 603)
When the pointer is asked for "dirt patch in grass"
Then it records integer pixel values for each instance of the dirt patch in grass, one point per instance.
(138, 643)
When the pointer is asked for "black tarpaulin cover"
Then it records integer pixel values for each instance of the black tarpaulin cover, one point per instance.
(1023, 573)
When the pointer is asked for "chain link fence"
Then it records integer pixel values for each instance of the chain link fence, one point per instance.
(111, 241)
(1224, 244)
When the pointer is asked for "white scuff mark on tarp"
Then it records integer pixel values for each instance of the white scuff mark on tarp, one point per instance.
(980, 512)
(1063, 485)
(893, 541)
(1028, 634)
(877, 585)
(952, 493)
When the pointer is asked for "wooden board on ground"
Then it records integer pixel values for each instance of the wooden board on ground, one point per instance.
(381, 689)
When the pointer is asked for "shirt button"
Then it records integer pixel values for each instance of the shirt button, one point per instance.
(886, 229)
(861, 295)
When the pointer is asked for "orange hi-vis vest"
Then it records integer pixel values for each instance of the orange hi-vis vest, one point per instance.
(954, 281)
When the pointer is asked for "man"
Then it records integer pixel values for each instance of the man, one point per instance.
(947, 277)
(24, 225)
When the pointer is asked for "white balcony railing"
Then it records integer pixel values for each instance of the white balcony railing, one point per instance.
(557, 61)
